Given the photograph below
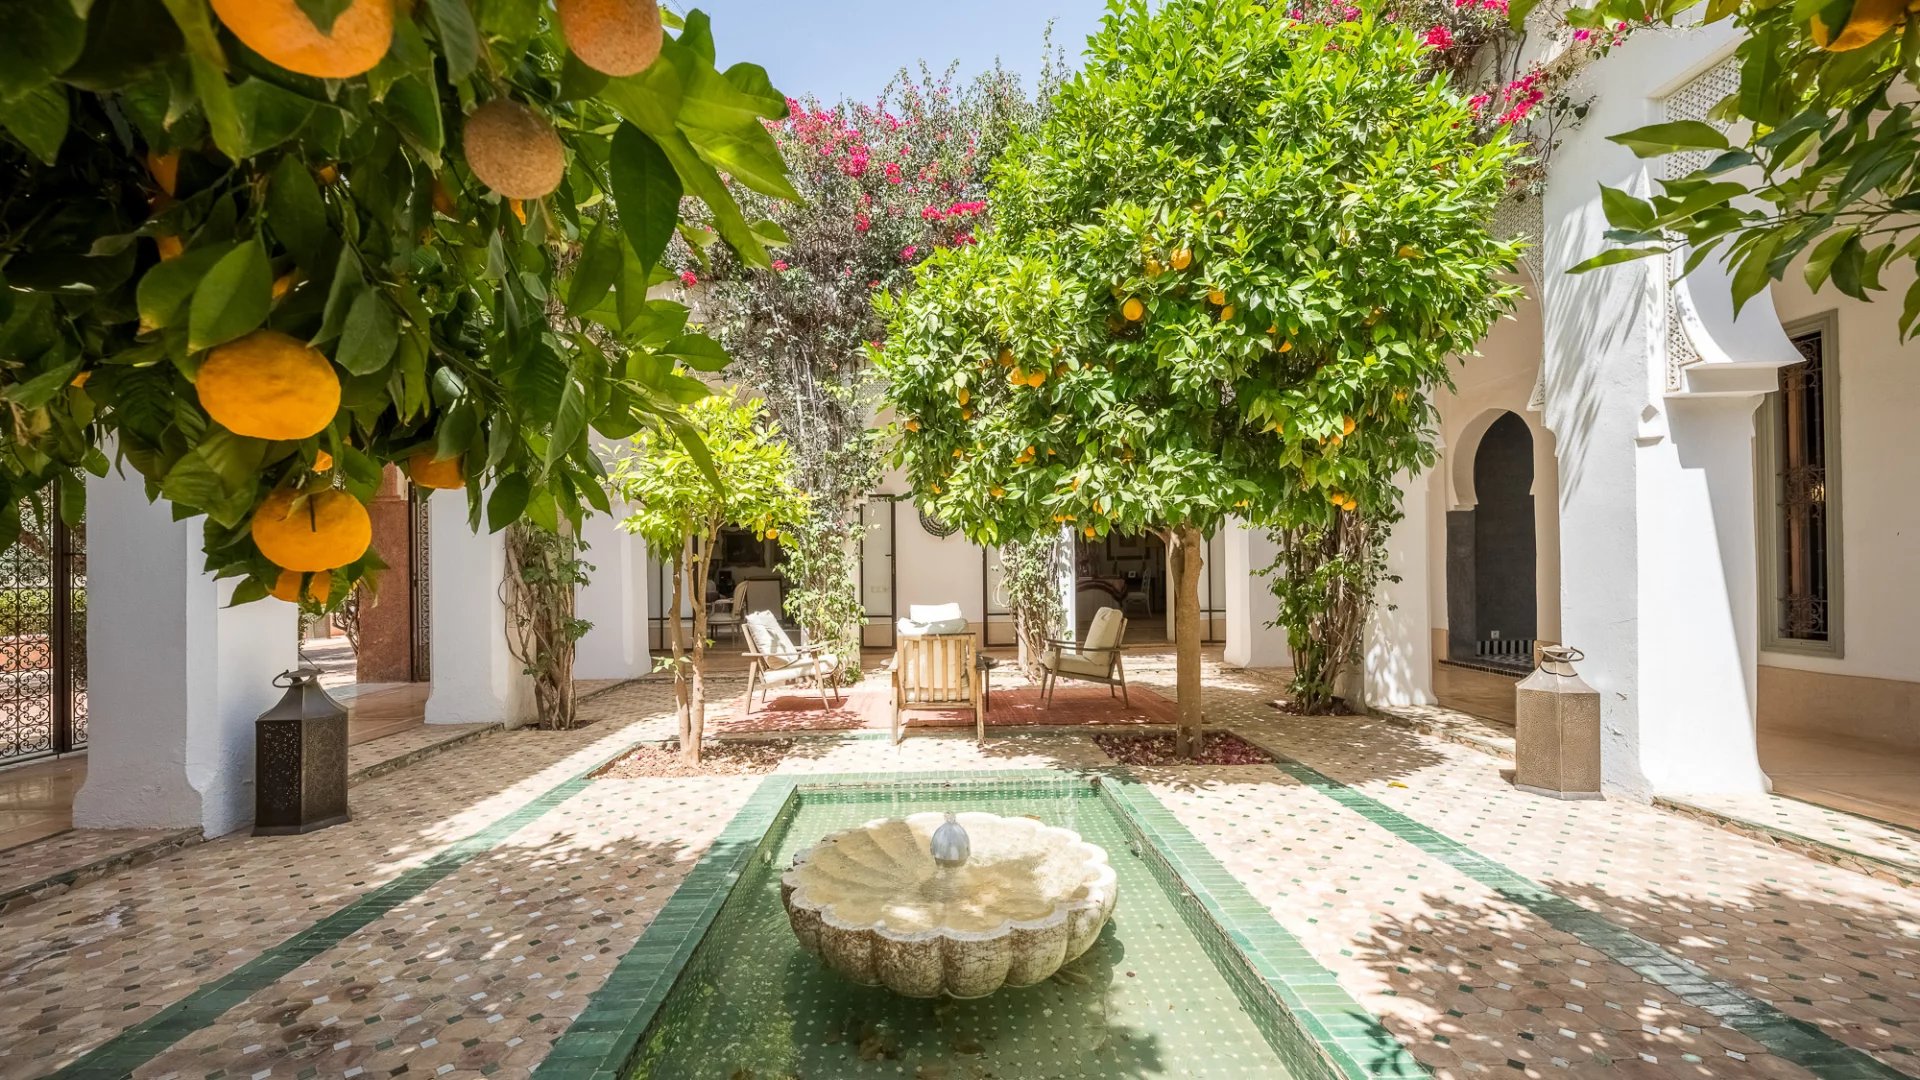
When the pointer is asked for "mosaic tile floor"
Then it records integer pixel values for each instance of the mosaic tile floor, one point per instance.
(478, 902)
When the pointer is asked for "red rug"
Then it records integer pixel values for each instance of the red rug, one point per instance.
(869, 706)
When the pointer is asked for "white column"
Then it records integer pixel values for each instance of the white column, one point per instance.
(1699, 600)
(1252, 640)
(175, 678)
(614, 600)
(1398, 650)
(475, 679)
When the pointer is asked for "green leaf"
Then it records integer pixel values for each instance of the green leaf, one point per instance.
(297, 214)
(459, 37)
(1612, 256)
(595, 273)
(367, 338)
(1820, 261)
(1671, 137)
(167, 287)
(38, 119)
(415, 108)
(322, 13)
(223, 114)
(648, 192)
(697, 351)
(507, 502)
(40, 39)
(696, 450)
(72, 497)
(1626, 212)
(232, 299)
(268, 115)
(41, 388)
(569, 421)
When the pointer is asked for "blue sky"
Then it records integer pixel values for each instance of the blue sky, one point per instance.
(850, 48)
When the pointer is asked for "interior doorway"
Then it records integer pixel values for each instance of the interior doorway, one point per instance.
(1125, 572)
(1492, 590)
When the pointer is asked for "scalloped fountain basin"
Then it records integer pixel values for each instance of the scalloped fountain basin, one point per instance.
(872, 904)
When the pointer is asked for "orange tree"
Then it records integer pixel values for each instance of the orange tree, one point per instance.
(256, 249)
(1224, 274)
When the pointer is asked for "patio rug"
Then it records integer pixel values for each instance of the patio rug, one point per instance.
(869, 706)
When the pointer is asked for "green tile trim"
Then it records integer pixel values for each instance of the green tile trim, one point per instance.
(609, 1035)
(1793, 1040)
(134, 1047)
(1354, 1042)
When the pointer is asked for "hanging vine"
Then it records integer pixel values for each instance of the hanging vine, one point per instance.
(1030, 589)
(543, 570)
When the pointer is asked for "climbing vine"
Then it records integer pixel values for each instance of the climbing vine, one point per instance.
(544, 569)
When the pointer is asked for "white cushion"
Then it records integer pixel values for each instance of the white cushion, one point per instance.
(934, 613)
(1108, 624)
(1081, 664)
(770, 638)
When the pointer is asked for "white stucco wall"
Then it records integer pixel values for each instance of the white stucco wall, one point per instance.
(175, 676)
(475, 679)
(614, 600)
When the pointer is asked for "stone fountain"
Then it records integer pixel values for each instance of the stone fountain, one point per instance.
(943, 904)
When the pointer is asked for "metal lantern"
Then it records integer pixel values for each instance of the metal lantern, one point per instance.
(300, 759)
(1557, 729)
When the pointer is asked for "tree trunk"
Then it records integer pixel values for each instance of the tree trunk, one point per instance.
(1186, 556)
(697, 707)
(681, 703)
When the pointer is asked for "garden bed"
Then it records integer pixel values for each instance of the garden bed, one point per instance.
(1216, 748)
(718, 759)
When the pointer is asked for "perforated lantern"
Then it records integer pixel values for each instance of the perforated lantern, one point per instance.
(1557, 729)
(300, 759)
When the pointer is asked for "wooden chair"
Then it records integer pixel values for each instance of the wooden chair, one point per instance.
(937, 671)
(1096, 659)
(775, 659)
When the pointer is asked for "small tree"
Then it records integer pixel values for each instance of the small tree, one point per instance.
(883, 186)
(544, 569)
(1224, 274)
(686, 494)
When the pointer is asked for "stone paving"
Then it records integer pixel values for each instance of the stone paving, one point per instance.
(478, 900)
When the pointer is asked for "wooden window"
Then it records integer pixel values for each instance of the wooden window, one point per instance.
(1799, 448)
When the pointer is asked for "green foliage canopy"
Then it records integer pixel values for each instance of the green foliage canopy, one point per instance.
(1817, 154)
(167, 189)
(1329, 202)
(670, 481)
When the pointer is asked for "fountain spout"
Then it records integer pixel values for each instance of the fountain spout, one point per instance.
(950, 846)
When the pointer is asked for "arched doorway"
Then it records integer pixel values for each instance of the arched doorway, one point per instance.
(1492, 595)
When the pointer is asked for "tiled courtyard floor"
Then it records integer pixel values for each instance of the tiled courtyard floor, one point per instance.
(479, 900)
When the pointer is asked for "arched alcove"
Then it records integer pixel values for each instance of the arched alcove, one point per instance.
(1492, 591)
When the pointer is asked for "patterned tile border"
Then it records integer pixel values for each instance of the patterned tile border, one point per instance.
(1793, 1040)
(1351, 1042)
(121, 1055)
(1898, 873)
(12, 900)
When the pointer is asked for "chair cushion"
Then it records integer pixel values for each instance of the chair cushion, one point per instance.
(933, 613)
(1082, 664)
(770, 639)
(1108, 625)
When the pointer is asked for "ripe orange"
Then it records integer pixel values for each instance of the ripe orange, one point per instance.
(1217, 298)
(330, 528)
(170, 247)
(165, 169)
(438, 475)
(613, 37)
(287, 587)
(1154, 269)
(1226, 313)
(963, 395)
(1036, 377)
(913, 425)
(1133, 309)
(322, 461)
(268, 385)
(1182, 258)
(1347, 425)
(1866, 23)
(514, 150)
(279, 31)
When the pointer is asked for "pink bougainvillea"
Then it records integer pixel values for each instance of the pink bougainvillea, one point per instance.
(1439, 37)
